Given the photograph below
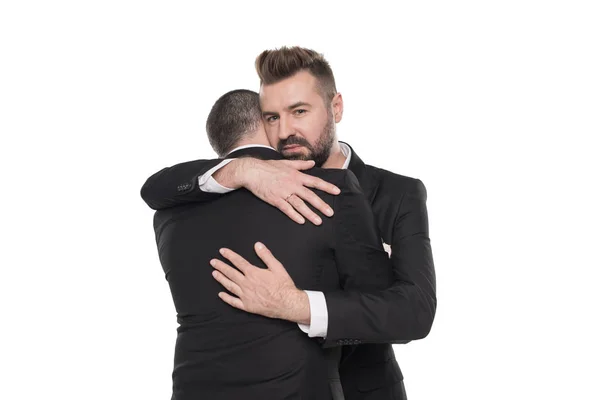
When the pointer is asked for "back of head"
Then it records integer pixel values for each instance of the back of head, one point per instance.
(234, 116)
(276, 65)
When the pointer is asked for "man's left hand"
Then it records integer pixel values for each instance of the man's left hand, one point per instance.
(269, 292)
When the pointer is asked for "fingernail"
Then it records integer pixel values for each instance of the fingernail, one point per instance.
(260, 246)
(222, 251)
(214, 274)
(317, 221)
(337, 190)
(329, 212)
(213, 262)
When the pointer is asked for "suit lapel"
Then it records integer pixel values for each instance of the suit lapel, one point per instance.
(367, 181)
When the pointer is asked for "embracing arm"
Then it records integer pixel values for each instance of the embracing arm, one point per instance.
(178, 185)
(404, 311)
(398, 314)
(361, 261)
(277, 182)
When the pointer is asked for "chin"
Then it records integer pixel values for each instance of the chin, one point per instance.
(297, 155)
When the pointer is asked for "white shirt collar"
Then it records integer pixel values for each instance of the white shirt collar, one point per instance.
(249, 145)
(343, 146)
(347, 152)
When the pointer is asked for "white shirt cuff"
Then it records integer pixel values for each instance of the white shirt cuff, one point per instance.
(207, 183)
(318, 315)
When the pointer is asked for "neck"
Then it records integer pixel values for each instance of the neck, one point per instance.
(336, 157)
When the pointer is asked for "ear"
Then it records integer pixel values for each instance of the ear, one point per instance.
(338, 107)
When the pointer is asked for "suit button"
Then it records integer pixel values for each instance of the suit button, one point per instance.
(181, 188)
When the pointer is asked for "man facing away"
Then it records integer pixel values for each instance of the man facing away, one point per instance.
(225, 353)
(300, 107)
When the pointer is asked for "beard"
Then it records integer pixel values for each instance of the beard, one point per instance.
(320, 151)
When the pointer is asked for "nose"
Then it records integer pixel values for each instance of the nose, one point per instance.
(285, 128)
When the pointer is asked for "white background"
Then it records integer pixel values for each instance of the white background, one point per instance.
(493, 105)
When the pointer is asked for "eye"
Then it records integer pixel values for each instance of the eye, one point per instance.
(300, 111)
(271, 118)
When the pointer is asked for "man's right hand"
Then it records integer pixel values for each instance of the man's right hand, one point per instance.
(281, 184)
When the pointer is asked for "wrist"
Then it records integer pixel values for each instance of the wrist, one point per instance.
(243, 171)
(298, 307)
(227, 176)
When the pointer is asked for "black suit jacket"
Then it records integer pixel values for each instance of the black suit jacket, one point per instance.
(224, 353)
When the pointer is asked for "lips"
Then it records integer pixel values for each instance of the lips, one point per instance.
(292, 147)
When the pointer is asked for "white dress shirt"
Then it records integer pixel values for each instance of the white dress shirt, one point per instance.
(316, 300)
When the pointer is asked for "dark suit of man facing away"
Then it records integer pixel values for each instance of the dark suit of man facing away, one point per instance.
(401, 313)
(225, 353)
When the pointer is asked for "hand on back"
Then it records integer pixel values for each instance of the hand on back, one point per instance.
(282, 184)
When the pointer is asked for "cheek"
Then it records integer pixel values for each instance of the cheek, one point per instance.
(272, 134)
(311, 129)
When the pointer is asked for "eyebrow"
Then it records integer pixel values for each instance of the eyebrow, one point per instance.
(298, 104)
(289, 108)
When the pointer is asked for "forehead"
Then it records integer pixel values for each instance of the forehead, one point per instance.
(301, 87)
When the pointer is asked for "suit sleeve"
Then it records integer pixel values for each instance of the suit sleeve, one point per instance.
(405, 310)
(177, 185)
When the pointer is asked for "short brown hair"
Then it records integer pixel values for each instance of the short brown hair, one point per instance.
(276, 65)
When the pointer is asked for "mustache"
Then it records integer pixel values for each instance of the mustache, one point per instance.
(291, 141)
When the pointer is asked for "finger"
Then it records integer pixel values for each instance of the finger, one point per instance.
(303, 209)
(318, 183)
(300, 165)
(237, 260)
(232, 301)
(289, 210)
(231, 273)
(227, 284)
(315, 201)
(268, 258)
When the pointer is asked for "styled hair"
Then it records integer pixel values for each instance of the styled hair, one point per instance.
(276, 65)
(234, 116)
